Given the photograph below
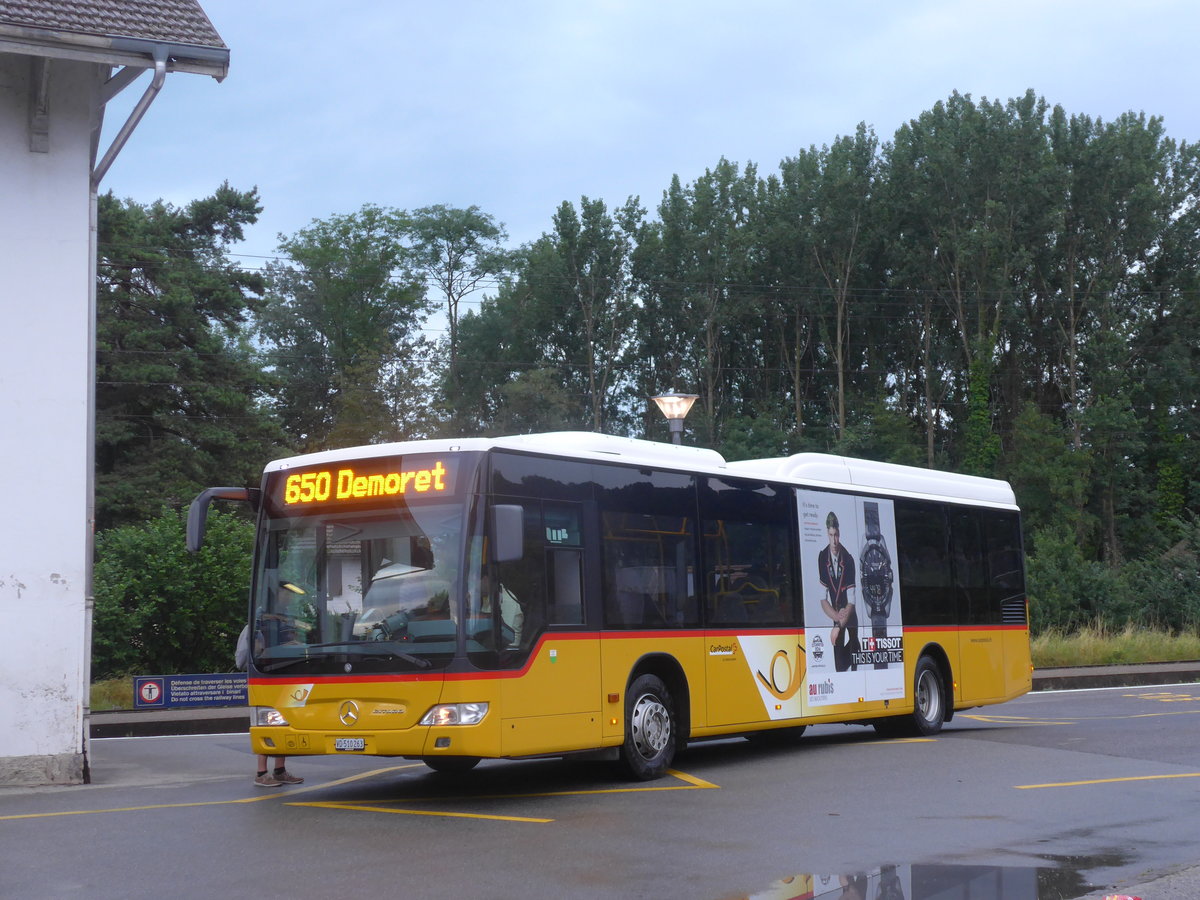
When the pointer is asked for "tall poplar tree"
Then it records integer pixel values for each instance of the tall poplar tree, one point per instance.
(341, 327)
(456, 252)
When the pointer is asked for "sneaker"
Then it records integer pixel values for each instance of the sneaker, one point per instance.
(286, 777)
(267, 780)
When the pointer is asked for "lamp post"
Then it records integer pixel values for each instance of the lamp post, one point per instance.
(675, 407)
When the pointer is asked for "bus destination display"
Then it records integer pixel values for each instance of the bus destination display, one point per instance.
(365, 480)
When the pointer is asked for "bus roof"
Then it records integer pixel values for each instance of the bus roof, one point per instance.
(805, 469)
(827, 470)
(573, 444)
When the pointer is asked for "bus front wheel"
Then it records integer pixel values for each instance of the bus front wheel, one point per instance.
(451, 765)
(649, 746)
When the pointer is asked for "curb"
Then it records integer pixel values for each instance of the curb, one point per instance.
(1084, 677)
(152, 723)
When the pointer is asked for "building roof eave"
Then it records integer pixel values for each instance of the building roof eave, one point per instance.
(114, 51)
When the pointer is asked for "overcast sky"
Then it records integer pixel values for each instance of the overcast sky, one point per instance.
(517, 106)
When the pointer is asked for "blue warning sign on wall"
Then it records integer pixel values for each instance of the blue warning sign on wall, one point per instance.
(175, 691)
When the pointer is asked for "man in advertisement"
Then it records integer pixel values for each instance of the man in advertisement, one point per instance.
(836, 568)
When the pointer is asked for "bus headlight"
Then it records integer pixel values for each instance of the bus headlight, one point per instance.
(266, 715)
(455, 714)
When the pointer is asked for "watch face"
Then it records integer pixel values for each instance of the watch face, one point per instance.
(877, 579)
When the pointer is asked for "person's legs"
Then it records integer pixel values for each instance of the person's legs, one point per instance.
(264, 778)
(282, 775)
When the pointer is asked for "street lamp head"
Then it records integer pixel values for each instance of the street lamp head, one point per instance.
(675, 407)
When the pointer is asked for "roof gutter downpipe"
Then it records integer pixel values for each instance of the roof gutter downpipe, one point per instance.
(115, 85)
(118, 144)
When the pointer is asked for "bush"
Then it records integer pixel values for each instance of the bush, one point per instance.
(1067, 591)
(1167, 585)
(163, 611)
(1160, 590)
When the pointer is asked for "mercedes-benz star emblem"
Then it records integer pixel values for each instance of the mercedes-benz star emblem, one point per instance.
(348, 713)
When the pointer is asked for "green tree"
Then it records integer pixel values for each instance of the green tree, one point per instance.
(561, 326)
(458, 252)
(833, 198)
(163, 611)
(1048, 475)
(690, 271)
(341, 327)
(972, 188)
(597, 309)
(1166, 581)
(179, 388)
(1067, 589)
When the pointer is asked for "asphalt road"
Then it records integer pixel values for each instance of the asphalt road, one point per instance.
(1083, 793)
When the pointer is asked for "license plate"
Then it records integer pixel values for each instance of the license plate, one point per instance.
(349, 743)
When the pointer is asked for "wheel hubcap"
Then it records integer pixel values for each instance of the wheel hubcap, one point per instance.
(651, 726)
(928, 698)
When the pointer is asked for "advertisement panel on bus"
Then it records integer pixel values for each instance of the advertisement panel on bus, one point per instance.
(852, 603)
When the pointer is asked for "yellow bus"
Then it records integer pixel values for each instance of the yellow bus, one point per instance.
(567, 593)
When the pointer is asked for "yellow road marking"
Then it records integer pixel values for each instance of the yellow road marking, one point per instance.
(691, 783)
(883, 742)
(355, 807)
(90, 812)
(1075, 720)
(1014, 720)
(1178, 712)
(1164, 696)
(692, 779)
(290, 792)
(1026, 787)
(293, 791)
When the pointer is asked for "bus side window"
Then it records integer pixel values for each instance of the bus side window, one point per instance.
(562, 534)
(547, 581)
(524, 580)
(745, 528)
(565, 569)
(647, 547)
(1006, 569)
(923, 552)
(970, 569)
(648, 571)
(748, 578)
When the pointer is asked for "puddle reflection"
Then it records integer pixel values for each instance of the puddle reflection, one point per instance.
(935, 882)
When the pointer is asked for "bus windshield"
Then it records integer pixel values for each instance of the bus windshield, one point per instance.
(358, 592)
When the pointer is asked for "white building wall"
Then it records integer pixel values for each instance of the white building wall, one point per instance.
(45, 374)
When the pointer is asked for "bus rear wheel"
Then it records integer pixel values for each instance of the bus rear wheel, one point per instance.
(929, 697)
(649, 746)
(929, 705)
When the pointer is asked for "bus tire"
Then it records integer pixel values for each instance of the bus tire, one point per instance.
(929, 706)
(451, 765)
(650, 725)
(929, 698)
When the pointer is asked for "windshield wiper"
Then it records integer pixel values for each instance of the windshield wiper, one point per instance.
(384, 649)
(284, 663)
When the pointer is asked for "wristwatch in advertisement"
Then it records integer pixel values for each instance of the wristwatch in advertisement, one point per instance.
(875, 566)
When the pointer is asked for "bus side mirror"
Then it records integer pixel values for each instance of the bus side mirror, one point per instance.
(508, 532)
(198, 511)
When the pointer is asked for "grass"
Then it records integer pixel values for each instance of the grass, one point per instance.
(1095, 645)
(112, 693)
(1098, 645)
